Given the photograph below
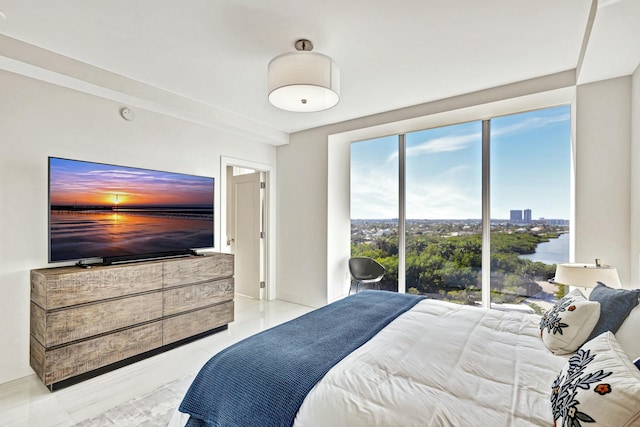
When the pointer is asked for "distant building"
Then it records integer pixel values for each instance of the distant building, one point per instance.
(560, 222)
(527, 216)
(516, 216)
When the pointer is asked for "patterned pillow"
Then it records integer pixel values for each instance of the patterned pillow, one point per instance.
(569, 323)
(598, 384)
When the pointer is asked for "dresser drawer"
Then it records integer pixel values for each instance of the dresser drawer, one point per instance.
(76, 359)
(193, 323)
(187, 298)
(198, 269)
(67, 286)
(72, 324)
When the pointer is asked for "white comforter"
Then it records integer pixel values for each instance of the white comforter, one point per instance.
(441, 364)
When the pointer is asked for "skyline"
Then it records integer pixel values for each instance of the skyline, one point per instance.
(73, 182)
(478, 220)
(530, 169)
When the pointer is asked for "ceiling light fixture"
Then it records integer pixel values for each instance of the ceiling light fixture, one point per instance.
(303, 81)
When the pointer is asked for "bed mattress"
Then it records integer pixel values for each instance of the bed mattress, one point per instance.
(439, 364)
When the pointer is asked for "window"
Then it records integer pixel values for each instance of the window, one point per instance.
(530, 193)
(427, 187)
(374, 204)
(444, 212)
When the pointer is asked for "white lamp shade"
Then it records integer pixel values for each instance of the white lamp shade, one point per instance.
(303, 81)
(587, 275)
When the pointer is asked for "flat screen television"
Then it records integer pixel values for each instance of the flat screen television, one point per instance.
(121, 213)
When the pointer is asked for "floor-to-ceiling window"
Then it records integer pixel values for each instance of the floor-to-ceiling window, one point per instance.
(530, 203)
(374, 204)
(417, 204)
(443, 202)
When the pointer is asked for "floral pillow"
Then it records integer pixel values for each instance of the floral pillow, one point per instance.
(598, 385)
(569, 323)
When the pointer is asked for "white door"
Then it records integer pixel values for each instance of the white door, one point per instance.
(246, 240)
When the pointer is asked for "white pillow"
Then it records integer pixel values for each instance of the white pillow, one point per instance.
(569, 323)
(628, 335)
(566, 326)
(599, 385)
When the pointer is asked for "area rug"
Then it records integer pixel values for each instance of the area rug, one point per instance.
(154, 409)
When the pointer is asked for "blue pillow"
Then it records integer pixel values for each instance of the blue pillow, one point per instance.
(615, 306)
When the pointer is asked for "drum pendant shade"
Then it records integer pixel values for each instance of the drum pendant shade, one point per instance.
(303, 81)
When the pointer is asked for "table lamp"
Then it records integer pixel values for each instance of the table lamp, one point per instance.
(587, 275)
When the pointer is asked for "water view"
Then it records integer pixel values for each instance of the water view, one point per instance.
(89, 234)
(555, 251)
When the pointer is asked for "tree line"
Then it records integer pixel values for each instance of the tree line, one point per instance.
(449, 267)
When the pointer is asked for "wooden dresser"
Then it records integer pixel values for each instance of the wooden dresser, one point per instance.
(88, 321)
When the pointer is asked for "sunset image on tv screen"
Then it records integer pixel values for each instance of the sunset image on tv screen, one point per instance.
(99, 210)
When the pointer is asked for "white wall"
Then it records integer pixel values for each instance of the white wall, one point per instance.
(301, 266)
(312, 265)
(635, 181)
(603, 171)
(38, 120)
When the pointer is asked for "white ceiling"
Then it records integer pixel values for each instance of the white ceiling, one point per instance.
(391, 54)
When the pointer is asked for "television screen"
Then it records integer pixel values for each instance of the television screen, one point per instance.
(111, 212)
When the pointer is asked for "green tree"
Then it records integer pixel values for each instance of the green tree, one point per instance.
(439, 263)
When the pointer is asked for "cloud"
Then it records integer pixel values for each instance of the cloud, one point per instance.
(530, 123)
(374, 193)
(449, 195)
(445, 144)
(451, 143)
(441, 145)
(454, 192)
(443, 202)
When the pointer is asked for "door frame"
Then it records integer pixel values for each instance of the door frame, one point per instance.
(270, 217)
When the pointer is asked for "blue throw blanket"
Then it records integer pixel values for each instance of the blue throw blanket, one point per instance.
(263, 379)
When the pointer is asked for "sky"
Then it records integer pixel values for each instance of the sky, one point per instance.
(530, 169)
(82, 183)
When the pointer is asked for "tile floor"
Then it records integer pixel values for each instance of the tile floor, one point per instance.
(27, 402)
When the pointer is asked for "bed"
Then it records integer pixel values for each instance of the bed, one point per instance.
(384, 359)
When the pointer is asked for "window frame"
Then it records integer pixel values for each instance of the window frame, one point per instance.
(486, 199)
